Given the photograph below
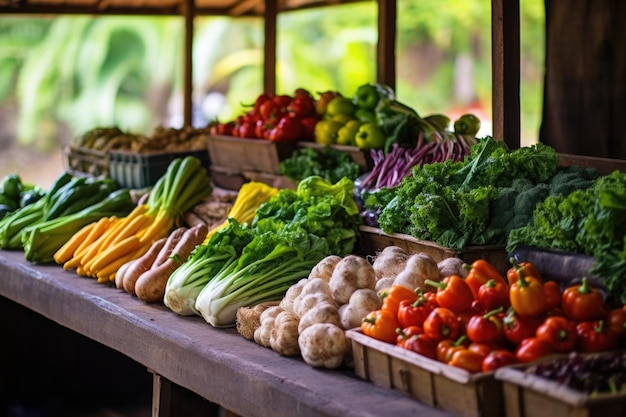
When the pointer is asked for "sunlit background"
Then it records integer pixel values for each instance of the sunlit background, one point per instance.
(63, 75)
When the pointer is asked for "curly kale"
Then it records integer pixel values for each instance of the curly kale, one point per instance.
(589, 221)
(328, 163)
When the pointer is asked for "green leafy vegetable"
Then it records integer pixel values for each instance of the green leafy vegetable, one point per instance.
(328, 163)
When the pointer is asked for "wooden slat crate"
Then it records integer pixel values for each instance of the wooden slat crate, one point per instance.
(428, 381)
(527, 395)
(373, 240)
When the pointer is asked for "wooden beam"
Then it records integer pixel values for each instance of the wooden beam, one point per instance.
(189, 14)
(386, 53)
(269, 64)
(505, 39)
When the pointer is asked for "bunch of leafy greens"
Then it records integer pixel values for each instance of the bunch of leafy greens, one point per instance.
(590, 221)
(450, 203)
(242, 264)
(328, 163)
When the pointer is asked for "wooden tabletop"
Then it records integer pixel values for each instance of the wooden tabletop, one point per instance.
(218, 364)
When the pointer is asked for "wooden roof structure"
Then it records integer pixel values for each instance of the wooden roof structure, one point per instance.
(232, 8)
(505, 40)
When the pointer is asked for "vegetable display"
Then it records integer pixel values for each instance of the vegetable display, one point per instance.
(590, 221)
(456, 204)
(245, 264)
(42, 227)
(184, 185)
(482, 336)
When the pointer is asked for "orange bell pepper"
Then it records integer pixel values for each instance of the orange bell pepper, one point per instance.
(527, 268)
(528, 298)
(480, 272)
(393, 295)
(381, 325)
(453, 293)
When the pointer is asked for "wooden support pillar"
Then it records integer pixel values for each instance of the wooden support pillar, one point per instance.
(386, 61)
(269, 63)
(171, 400)
(189, 14)
(505, 40)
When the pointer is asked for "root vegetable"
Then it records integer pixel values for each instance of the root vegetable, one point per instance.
(324, 269)
(263, 333)
(119, 274)
(361, 303)
(452, 266)
(419, 267)
(350, 274)
(150, 286)
(284, 334)
(139, 266)
(324, 345)
(249, 318)
(172, 240)
(390, 262)
(294, 291)
(321, 313)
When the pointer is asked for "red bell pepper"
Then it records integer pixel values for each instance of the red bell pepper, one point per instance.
(442, 323)
(405, 333)
(480, 272)
(582, 302)
(453, 293)
(616, 321)
(560, 332)
(483, 348)
(288, 129)
(301, 106)
(422, 344)
(381, 325)
(308, 127)
(497, 359)
(594, 336)
(493, 294)
(517, 328)
(414, 313)
(554, 295)
(486, 328)
(532, 348)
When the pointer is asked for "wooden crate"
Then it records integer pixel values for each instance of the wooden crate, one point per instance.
(373, 239)
(240, 155)
(86, 161)
(527, 395)
(428, 381)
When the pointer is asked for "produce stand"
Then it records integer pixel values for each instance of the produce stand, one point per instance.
(185, 353)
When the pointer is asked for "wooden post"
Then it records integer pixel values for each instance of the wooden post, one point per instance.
(269, 64)
(171, 400)
(188, 14)
(386, 60)
(505, 39)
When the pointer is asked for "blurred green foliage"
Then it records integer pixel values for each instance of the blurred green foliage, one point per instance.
(73, 73)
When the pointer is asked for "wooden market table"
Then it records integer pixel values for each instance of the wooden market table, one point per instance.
(219, 365)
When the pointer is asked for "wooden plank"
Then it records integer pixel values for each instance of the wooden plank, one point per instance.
(188, 63)
(171, 400)
(505, 50)
(386, 47)
(269, 63)
(217, 364)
